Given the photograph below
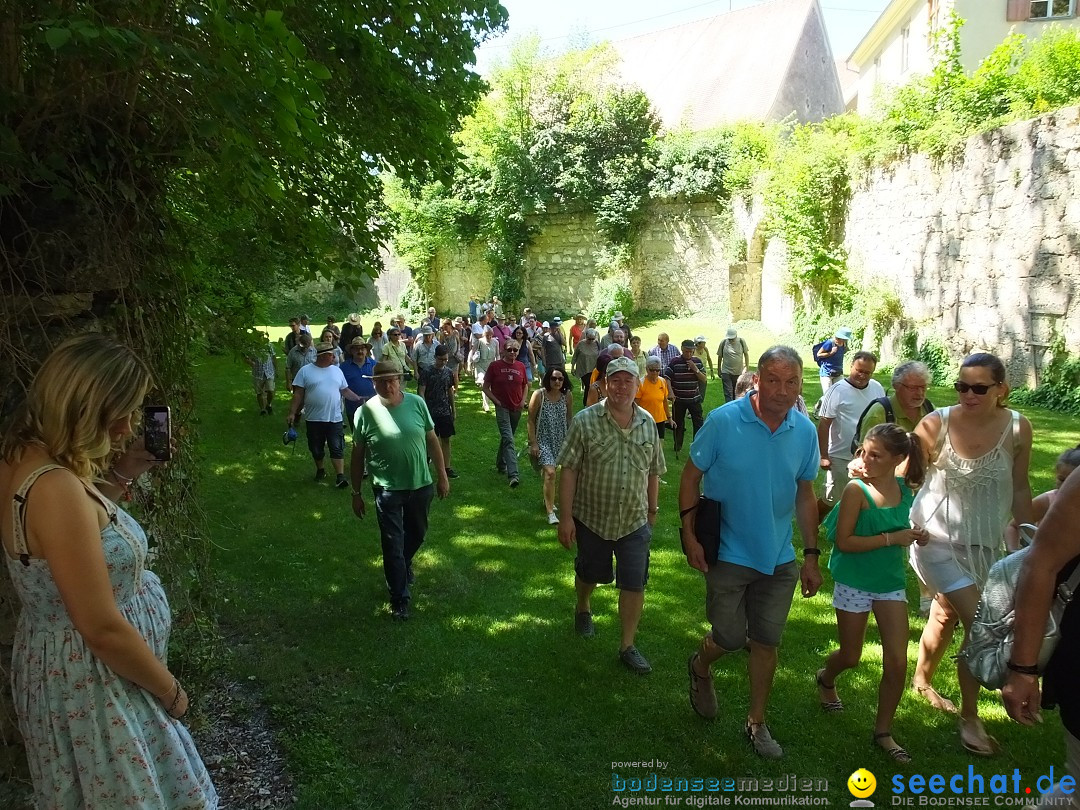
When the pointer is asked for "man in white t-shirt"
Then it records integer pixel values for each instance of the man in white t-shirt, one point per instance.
(318, 389)
(841, 408)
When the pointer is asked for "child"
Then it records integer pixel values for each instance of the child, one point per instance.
(869, 528)
(1066, 463)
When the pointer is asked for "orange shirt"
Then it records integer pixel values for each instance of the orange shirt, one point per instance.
(651, 396)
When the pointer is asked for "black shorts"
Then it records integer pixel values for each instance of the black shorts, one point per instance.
(444, 426)
(631, 553)
(320, 434)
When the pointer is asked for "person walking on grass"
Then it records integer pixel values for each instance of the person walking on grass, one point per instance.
(830, 358)
(685, 375)
(611, 463)
(505, 384)
(734, 357)
(358, 368)
(758, 457)
(393, 440)
(318, 389)
(440, 392)
(870, 534)
(300, 355)
(263, 375)
(550, 411)
(586, 352)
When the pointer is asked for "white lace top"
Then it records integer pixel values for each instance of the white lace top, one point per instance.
(968, 501)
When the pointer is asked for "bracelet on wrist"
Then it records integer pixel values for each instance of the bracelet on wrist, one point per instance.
(886, 538)
(1022, 669)
(123, 480)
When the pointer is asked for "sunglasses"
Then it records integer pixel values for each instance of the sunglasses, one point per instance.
(963, 388)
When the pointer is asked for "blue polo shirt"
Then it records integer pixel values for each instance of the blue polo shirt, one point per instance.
(832, 366)
(754, 473)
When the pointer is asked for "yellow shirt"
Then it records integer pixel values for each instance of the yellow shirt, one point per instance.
(651, 397)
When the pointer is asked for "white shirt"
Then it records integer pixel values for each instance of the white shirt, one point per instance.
(322, 392)
(844, 404)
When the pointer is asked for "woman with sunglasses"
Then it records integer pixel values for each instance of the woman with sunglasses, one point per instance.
(978, 453)
(550, 411)
(378, 341)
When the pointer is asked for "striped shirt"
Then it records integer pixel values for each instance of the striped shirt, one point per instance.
(613, 469)
(683, 377)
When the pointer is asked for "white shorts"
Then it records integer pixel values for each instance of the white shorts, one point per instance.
(853, 600)
(945, 567)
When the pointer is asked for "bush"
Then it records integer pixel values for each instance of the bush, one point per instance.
(1060, 386)
(610, 295)
(933, 353)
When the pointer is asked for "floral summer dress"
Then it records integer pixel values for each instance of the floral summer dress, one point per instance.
(95, 739)
(550, 429)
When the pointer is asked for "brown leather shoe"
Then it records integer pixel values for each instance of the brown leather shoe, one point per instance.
(702, 693)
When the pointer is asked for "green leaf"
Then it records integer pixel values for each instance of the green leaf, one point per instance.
(319, 71)
(296, 47)
(57, 37)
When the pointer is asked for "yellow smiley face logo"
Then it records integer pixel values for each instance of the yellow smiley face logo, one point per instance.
(861, 783)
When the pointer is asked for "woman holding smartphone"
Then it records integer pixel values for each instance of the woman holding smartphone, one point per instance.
(97, 706)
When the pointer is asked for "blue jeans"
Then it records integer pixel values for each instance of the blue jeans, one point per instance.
(506, 458)
(403, 522)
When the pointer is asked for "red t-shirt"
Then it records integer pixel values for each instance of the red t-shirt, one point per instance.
(575, 335)
(508, 383)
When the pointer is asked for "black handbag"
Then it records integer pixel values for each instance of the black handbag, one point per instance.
(706, 527)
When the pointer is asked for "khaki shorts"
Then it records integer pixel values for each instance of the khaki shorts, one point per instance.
(742, 603)
(264, 386)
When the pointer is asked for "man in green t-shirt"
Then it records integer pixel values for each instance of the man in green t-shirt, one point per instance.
(908, 399)
(394, 437)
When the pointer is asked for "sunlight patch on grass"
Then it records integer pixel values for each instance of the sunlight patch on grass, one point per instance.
(491, 566)
(466, 511)
(237, 472)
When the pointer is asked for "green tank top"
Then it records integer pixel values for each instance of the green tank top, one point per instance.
(880, 570)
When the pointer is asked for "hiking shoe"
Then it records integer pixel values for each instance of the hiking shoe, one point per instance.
(320, 475)
(400, 612)
(761, 740)
(270, 410)
(515, 482)
(553, 519)
(702, 692)
(635, 661)
(341, 482)
(450, 473)
(583, 624)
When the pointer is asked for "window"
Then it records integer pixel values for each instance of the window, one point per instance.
(1049, 9)
(905, 49)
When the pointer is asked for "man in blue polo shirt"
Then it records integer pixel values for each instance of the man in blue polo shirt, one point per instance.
(758, 457)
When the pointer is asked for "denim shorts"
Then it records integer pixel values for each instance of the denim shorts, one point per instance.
(742, 603)
(320, 434)
(631, 553)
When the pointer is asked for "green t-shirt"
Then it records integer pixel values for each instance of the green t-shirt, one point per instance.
(876, 416)
(880, 570)
(395, 442)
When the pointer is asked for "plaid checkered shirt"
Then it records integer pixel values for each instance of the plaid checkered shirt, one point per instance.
(613, 468)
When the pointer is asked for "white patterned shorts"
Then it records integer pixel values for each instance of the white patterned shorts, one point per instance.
(853, 600)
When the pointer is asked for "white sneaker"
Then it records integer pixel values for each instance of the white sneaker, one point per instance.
(552, 518)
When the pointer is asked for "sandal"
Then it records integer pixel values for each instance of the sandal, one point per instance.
(984, 745)
(897, 753)
(934, 698)
(829, 706)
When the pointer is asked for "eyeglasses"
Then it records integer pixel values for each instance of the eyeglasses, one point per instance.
(963, 388)
(912, 387)
(557, 377)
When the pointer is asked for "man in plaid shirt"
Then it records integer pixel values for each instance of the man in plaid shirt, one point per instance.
(612, 461)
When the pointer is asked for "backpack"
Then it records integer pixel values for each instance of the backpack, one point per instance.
(817, 348)
(890, 416)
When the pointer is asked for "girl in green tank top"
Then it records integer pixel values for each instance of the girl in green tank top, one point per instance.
(870, 532)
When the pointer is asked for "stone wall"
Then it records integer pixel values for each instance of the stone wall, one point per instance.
(687, 260)
(985, 250)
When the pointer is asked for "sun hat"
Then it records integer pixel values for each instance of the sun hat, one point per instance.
(427, 330)
(357, 342)
(623, 363)
(556, 320)
(289, 436)
(618, 316)
(354, 318)
(323, 347)
(689, 344)
(384, 370)
(699, 339)
(843, 333)
(731, 333)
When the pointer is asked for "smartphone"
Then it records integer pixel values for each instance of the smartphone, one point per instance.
(157, 431)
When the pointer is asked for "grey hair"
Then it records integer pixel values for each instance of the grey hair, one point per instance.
(590, 333)
(779, 354)
(653, 362)
(910, 367)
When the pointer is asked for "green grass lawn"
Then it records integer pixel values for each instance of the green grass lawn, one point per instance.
(486, 698)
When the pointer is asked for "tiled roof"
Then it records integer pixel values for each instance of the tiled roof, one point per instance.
(720, 69)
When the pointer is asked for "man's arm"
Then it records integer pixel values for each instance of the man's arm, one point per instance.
(689, 493)
(351, 395)
(746, 354)
(567, 490)
(699, 369)
(296, 404)
(1056, 542)
(652, 491)
(806, 515)
(823, 425)
(487, 389)
(434, 449)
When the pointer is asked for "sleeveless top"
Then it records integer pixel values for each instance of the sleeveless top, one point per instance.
(551, 428)
(880, 570)
(94, 739)
(964, 501)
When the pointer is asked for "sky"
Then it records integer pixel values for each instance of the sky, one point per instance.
(559, 21)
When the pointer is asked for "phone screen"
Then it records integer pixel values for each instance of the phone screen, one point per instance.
(157, 431)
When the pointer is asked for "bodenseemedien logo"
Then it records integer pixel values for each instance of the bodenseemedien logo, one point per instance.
(862, 785)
